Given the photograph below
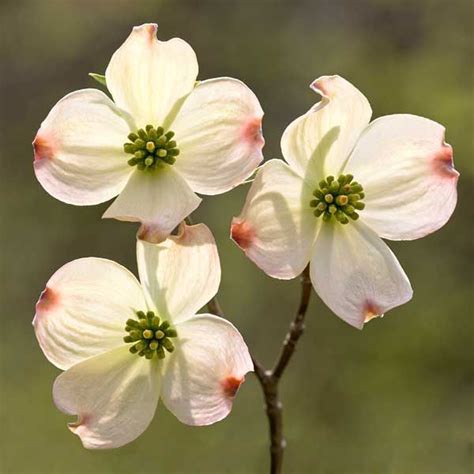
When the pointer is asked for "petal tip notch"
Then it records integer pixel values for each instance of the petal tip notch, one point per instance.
(148, 30)
(43, 147)
(242, 233)
(231, 385)
(252, 132)
(324, 85)
(47, 301)
(371, 311)
(443, 164)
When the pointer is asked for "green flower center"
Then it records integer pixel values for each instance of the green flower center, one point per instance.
(151, 148)
(150, 335)
(340, 198)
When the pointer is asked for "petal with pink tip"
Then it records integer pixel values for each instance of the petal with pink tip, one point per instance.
(114, 396)
(160, 200)
(83, 310)
(79, 157)
(181, 274)
(148, 77)
(318, 143)
(356, 274)
(408, 175)
(218, 131)
(276, 228)
(204, 374)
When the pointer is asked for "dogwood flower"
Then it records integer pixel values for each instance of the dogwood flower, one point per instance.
(123, 345)
(163, 139)
(396, 174)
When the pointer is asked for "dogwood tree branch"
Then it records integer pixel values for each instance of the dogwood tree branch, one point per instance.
(296, 327)
(269, 379)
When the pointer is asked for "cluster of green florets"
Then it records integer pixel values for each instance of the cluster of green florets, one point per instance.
(150, 335)
(151, 148)
(339, 197)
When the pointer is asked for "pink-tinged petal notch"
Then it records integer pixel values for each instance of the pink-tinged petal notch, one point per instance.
(44, 146)
(371, 311)
(150, 234)
(48, 300)
(149, 29)
(324, 86)
(242, 233)
(443, 164)
(231, 385)
(81, 423)
(252, 132)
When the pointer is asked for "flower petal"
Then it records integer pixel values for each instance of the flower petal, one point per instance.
(218, 131)
(356, 274)
(114, 396)
(160, 200)
(79, 157)
(83, 310)
(408, 175)
(276, 228)
(181, 274)
(206, 371)
(318, 143)
(147, 77)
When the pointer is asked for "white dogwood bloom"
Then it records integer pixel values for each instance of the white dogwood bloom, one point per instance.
(396, 173)
(124, 344)
(164, 138)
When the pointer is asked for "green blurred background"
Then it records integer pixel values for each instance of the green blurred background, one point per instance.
(394, 398)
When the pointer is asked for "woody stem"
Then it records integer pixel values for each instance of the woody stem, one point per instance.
(270, 378)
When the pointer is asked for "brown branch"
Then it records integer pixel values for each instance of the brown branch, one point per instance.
(269, 379)
(296, 327)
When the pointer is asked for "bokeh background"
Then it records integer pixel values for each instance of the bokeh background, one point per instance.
(395, 398)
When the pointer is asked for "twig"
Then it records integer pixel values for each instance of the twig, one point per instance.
(296, 327)
(269, 379)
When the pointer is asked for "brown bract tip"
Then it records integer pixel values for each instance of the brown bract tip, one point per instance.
(231, 385)
(443, 164)
(252, 132)
(242, 233)
(47, 301)
(150, 233)
(43, 147)
(324, 86)
(82, 420)
(147, 31)
(371, 310)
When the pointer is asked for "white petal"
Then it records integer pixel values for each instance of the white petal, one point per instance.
(318, 143)
(356, 274)
(147, 77)
(407, 172)
(276, 228)
(218, 131)
(79, 157)
(206, 370)
(160, 200)
(83, 310)
(114, 396)
(182, 273)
